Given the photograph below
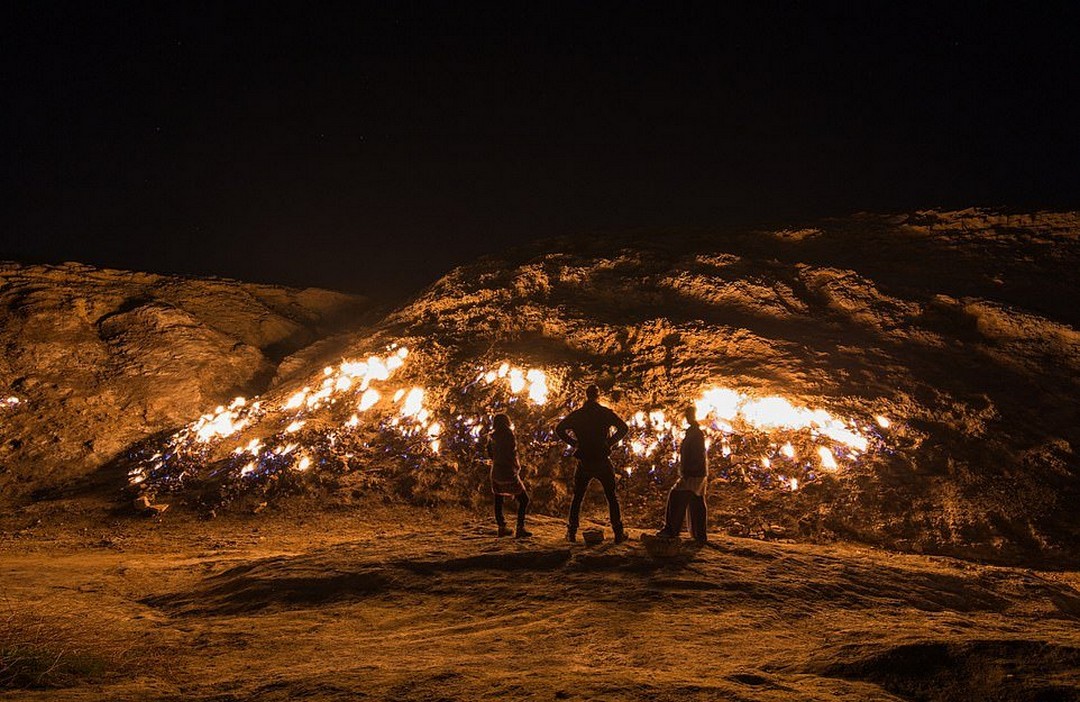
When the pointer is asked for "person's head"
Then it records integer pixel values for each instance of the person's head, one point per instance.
(501, 422)
(691, 415)
(592, 393)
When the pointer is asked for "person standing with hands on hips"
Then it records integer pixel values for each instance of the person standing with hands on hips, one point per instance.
(588, 429)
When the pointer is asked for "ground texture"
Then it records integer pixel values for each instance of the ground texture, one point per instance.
(413, 605)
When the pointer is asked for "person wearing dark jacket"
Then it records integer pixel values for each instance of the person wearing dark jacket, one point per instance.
(689, 492)
(589, 430)
(506, 475)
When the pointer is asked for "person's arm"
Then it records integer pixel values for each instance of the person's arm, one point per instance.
(620, 430)
(562, 430)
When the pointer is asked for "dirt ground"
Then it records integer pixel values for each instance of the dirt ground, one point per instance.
(408, 604)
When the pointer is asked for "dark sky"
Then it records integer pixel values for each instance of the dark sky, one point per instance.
(370, 147)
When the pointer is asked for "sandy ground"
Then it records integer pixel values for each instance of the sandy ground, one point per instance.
(405, 604)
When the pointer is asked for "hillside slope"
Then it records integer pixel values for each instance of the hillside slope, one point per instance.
(907, 380)
(96, 359)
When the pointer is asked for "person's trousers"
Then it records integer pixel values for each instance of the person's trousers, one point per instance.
(523, 504)
(582, 477)
(679, 503)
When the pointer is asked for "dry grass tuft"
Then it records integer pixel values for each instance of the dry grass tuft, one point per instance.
(51, 651)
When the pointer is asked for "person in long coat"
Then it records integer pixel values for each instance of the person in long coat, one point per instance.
(506, 475)
(688, 494)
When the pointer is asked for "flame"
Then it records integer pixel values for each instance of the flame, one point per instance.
(297, 400)
(538, 389)
(517, 380)
(376, 369)
(721, 403)
(220, 424)
(726, 415)
(774, 412)
(368, 399)
(253, 447)
(414, 402)
(828, 461)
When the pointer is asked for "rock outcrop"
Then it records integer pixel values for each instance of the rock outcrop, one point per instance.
(96, 359)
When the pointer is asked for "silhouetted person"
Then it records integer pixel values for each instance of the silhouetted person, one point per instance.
(588, 430)
(505, 475)
(689, 492)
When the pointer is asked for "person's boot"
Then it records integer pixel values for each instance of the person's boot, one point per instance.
(621, 536)
(571, 535)
(521, 532)
(504, 530)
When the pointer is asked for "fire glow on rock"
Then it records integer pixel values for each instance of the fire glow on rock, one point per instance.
(362, 408)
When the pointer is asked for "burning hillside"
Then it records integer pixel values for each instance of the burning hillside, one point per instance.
(908, 381)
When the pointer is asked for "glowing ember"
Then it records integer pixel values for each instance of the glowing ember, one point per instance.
(883, 421)
(10, 401)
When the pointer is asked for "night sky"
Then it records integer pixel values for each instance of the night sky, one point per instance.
(370, 147)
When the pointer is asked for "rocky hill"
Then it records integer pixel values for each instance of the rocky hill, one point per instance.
(96, 359)
(907, 380)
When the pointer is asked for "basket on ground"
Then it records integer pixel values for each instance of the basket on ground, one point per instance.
(661, 546)
(592, 536)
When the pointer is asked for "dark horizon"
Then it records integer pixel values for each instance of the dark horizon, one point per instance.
(373, 148)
